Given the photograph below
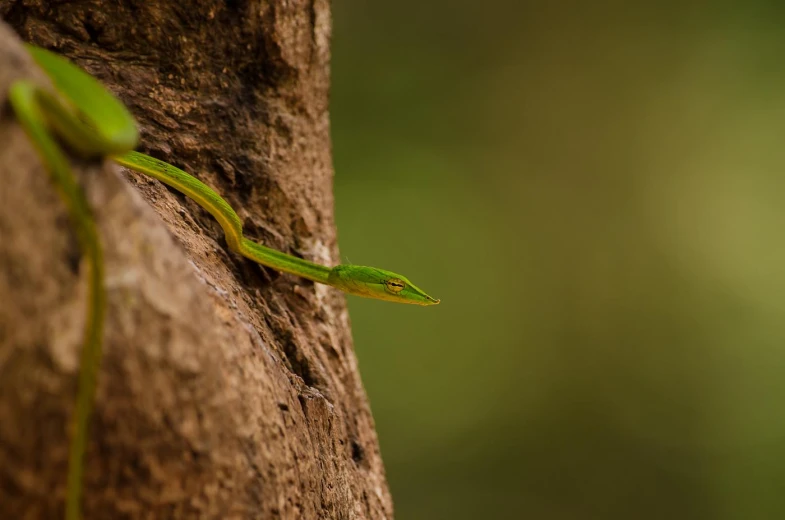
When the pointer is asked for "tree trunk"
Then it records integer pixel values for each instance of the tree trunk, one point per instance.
(226, 390)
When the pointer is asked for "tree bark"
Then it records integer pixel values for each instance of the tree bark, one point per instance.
(226, 389)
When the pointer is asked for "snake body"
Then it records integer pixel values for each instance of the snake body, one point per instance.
(91, 122)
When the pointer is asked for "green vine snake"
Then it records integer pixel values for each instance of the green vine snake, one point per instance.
(93, 123)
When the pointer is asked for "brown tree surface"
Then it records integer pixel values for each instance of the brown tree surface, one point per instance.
(226, 389)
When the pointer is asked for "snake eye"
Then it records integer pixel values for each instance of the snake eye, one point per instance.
(394, 285)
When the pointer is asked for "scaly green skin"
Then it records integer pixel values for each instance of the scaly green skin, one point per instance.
(92, 122)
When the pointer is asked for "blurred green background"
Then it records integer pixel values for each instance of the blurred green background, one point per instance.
(597, 193)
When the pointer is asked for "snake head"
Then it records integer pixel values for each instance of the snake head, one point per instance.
(372, 282)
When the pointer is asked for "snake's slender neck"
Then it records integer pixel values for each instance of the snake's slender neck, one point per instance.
(283, 262)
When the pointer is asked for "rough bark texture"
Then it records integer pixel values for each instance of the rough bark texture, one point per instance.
(226, 390)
